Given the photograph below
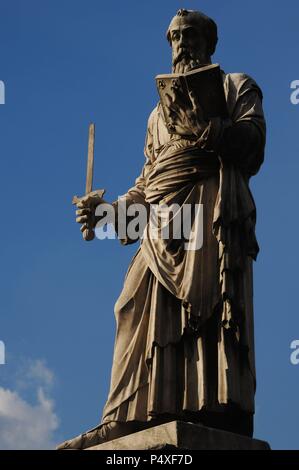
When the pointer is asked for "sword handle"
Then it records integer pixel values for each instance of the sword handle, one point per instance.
(88, 234)
(95, 197)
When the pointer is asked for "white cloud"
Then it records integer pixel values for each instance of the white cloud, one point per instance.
(38, 371)
(25, 425)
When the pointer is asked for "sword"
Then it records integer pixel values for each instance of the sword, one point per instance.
(91, 198)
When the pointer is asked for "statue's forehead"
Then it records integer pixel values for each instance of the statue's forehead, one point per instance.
(181, 22)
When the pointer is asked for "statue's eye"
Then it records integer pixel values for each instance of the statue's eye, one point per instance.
(190, 33)
(175, 36)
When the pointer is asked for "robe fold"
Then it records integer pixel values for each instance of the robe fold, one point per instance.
(184, 338)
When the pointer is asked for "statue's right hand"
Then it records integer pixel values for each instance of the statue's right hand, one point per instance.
(86, 208)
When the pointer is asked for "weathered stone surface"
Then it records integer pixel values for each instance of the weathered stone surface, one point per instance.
(180, 435)
(184, 342)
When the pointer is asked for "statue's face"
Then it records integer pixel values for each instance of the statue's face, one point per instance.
(189, 45)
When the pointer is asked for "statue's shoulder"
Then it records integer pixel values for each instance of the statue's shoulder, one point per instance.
(155, 111)
(240, 83)
(153, 116)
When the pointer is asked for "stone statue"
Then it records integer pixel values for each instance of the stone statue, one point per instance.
(184, 347)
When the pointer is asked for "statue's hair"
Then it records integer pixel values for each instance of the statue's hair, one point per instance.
(182, 12)
(203, 22)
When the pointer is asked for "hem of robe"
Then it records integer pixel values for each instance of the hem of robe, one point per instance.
(126, 412)
(162, 394)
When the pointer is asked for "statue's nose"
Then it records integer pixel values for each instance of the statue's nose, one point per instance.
(182, 42)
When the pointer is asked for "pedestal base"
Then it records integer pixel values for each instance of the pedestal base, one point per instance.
(184, 436)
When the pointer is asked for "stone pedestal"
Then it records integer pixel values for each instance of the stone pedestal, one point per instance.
(183, 436)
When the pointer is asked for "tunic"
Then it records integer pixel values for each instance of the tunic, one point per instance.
(184, 319)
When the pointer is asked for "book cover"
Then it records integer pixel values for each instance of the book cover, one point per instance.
(174, 90)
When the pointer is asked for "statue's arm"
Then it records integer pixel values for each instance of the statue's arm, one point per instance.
(242, 145)
(241, 139)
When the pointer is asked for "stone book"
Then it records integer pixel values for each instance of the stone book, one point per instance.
(206, 83)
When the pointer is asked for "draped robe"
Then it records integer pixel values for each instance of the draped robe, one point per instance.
(184, 319)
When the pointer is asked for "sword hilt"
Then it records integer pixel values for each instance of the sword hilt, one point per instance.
(88, 234)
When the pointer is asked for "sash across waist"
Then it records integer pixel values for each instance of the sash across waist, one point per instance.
(175, 169)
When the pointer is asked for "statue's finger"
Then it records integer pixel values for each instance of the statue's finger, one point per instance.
(85, 201)
(90, 202)
(83, 227)
(85, 211)
(81, 220)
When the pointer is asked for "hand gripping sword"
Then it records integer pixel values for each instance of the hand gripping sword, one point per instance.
(91, 198)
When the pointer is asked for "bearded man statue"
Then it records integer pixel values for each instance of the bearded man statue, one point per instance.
(184, 347)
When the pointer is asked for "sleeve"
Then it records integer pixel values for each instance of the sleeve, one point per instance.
(241, 139)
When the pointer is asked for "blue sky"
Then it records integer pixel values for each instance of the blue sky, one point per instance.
(69, 62)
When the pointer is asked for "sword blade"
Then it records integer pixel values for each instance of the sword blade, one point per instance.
(90, 159)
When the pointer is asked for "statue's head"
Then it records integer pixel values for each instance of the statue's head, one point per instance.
(193, 38)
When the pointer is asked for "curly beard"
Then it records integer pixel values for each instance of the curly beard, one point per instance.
(186, 61)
